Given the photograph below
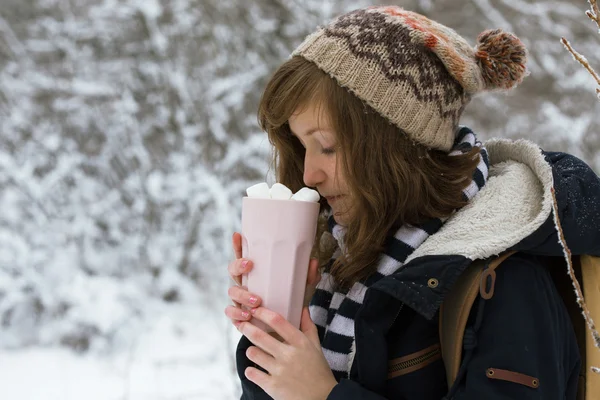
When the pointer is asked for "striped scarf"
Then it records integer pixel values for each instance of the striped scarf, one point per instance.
(333, 312)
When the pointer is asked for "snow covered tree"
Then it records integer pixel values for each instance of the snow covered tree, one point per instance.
(129, 136)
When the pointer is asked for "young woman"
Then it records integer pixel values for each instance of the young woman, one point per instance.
(366, 111)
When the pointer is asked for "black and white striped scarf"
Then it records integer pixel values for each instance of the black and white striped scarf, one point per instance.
(333, 312)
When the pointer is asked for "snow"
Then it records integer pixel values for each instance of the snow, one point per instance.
(181, 355)
(128, 138)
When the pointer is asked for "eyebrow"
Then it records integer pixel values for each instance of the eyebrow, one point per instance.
(310, 131)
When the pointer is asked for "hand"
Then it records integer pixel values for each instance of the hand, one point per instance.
(240, 295)
(297, 368)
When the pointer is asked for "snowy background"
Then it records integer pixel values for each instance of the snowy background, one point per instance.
(127, 138)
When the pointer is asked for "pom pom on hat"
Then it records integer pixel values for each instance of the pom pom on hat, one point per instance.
(501, 57)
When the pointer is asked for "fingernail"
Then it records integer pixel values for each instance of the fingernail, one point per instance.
(245, 314)
(237, 324)
(244, 264)
(253, 311)
(253, 300)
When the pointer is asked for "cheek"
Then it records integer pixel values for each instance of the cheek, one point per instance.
(332, 169)
(337, 172)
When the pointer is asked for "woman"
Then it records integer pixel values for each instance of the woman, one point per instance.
(366, 112)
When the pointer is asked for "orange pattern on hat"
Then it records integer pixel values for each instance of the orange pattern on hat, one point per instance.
(431, 41)
(408, 18)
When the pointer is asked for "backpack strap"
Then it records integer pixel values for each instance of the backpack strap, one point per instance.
(590, 274)
(478, 279)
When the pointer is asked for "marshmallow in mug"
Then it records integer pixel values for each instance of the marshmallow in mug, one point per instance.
(306, 194)
(281, 192)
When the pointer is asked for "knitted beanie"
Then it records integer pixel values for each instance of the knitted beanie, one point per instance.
(413, 71)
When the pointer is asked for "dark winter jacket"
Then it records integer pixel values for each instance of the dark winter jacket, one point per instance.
(525, 328)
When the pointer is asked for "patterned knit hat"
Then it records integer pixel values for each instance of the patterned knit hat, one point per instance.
(415, 72)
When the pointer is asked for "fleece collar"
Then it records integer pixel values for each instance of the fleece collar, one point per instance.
(515, 202)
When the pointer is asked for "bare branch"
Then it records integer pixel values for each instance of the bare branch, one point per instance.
(594, 15)
(582, 60)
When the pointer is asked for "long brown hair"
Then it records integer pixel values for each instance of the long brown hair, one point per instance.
(392, 180)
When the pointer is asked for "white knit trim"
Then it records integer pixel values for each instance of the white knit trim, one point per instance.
(411, 235)
(337, 361)
(387, 265)
(318, 314)
(336, 300)
(342, 325)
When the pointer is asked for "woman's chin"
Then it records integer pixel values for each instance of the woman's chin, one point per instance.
(340, 218)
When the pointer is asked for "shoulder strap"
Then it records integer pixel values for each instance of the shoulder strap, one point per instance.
(456, 308)
(590, 276)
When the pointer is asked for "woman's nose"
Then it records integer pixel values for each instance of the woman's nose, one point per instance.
(313, 173)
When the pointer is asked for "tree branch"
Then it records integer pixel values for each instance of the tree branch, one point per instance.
(594, 15)
(582, 60)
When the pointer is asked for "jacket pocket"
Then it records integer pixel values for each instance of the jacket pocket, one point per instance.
(413, 362)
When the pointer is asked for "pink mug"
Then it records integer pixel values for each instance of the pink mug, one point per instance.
(278, 237)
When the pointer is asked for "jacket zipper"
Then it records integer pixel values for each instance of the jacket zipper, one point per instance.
(404, 366)
(415, 361)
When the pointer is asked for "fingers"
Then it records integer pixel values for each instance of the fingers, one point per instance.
(308, 327)
(236, 314)
(262, 339)
(257, 376)
(257, 356)
(243, 297)
(240, 296)
(237, 268)
(277, 322)
(236, 241)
